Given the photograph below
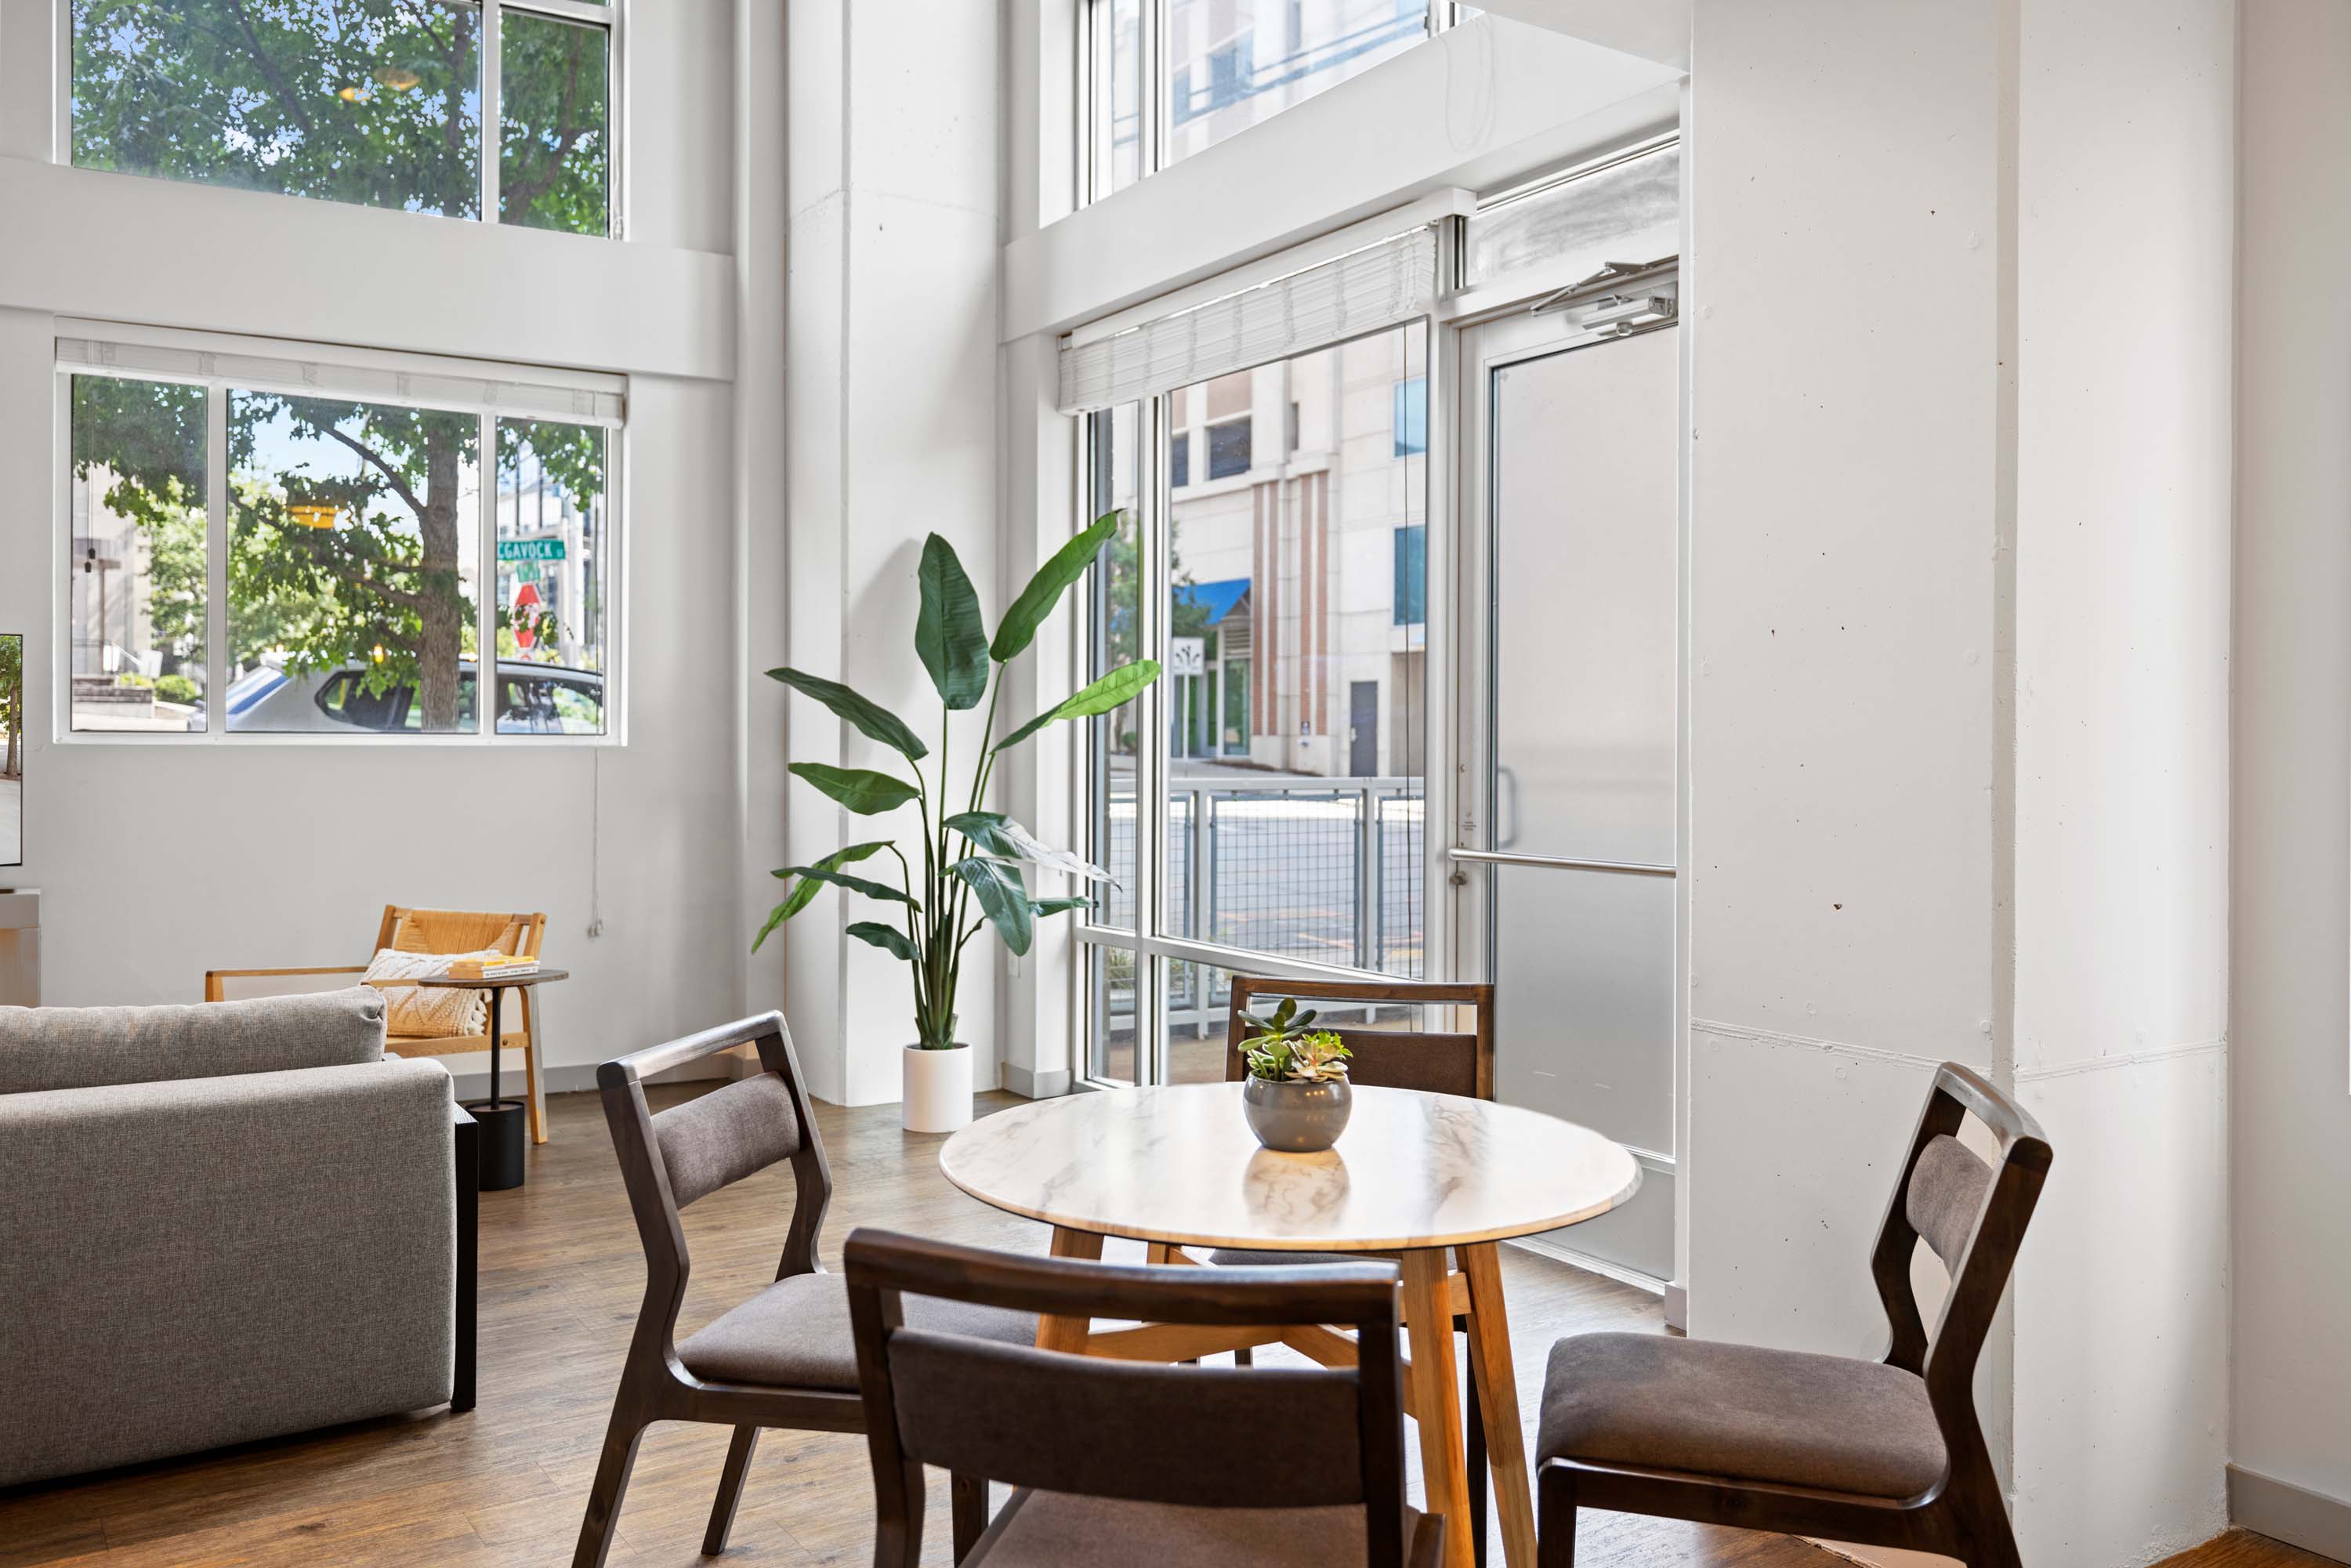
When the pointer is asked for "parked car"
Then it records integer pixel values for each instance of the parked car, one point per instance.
(533, 699)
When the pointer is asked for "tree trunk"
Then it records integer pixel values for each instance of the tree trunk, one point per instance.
(442, 637)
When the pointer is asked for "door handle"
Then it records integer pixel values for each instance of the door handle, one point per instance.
(1560, 862)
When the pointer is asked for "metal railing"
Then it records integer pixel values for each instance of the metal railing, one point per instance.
(1319, 871)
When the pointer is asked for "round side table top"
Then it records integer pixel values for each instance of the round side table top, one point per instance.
(492, 982)
(1179, 1165)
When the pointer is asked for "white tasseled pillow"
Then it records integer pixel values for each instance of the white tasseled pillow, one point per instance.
(422, 1012)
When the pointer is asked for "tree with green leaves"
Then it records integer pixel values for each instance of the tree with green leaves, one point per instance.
(12, 707)
(371, 102)
(971, 856)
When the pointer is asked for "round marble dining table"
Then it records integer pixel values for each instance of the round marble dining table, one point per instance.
(1430, 1180)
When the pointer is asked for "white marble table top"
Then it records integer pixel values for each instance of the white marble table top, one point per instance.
(1179, 1165)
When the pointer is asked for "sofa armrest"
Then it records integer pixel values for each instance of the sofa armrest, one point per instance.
(189, 1263)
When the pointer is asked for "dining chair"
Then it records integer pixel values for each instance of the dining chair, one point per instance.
(1194, 1467)
(1884, 1453)
(785, 1357)
(1439, 1062)
(408, 930)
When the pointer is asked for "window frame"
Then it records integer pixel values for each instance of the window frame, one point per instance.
(217, 384)
(1156, 953)
(1156, 97)
(613, 17)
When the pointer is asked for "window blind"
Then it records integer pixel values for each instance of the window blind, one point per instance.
(1382, 284)
(587, 399)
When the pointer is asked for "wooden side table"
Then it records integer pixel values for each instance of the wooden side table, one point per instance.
(501, 1119)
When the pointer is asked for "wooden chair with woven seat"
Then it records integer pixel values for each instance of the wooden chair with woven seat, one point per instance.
(1445, 1062)
(1192, 1467)
(436, 931)
(1885, 1453)
(784, 1358)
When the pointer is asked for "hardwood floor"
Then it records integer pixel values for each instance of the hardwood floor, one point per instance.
(561, 1278)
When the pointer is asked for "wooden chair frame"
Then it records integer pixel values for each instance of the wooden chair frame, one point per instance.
(1961, 1516)
(654, 1384)
(533, 931)
(882, 1266)
(1479, 995)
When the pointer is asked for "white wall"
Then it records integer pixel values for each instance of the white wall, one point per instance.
(1842, 471)
(1960, 545)
(158, 863)
(2121, 864)
(2289, 1031)
(891, 399)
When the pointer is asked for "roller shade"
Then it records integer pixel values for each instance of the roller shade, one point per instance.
(1379, 285)
(599, 399)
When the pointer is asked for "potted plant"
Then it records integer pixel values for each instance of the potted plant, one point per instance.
(971, 874)
(1297, 1097)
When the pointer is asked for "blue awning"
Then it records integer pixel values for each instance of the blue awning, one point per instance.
(1216, 598)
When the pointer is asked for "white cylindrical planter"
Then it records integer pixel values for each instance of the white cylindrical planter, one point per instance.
(938, 1089)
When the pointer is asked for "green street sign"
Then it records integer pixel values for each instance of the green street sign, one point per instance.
(547, 549)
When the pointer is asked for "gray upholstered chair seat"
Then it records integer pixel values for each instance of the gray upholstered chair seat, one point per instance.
(796, 1335)
(1055, 1529)
(1707, 1407)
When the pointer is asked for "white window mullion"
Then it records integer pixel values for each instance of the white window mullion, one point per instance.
(486, 588)
(217, 544)
(1151, 745)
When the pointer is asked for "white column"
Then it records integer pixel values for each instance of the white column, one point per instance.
(891, 429)
(1961, 376)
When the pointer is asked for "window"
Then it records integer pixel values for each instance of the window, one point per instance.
(1169, 77)
(377, 102)
(1179, 459)
(1411, 422)
(1411, 595)
(1283, 656)
(1229, 448)
(347, 527)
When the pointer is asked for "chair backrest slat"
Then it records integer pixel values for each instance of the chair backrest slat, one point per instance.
(1972, 1215)
(726, 1135)
(1126, 1429)
(1205, 1436)
(1438, 1062)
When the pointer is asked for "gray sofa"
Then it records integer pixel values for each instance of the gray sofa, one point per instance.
(220, 1223)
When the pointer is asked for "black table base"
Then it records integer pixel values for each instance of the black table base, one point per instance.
(502, 1142)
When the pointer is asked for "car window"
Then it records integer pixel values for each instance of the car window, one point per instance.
(345, 698)
(579, 707)
(414, 718)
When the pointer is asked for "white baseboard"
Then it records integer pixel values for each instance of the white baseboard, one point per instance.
(1033, 1085)
(2295, 1515)
(1545, 1247)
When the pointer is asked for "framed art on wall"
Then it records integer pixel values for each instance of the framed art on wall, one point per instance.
(12, 750)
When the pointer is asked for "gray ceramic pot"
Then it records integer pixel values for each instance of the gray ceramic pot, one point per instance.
(1297, 1118)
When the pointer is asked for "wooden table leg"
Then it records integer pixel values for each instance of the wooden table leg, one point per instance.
(1437, 1398)
(1498, 1390)
(1066, 1333)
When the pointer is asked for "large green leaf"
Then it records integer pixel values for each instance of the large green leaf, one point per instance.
(984, 829)
(1002, 898)
(949, 633)
(861, 789)
(865, 885)
(1115, 690)
(887, 937)
(1019, 627)
(869, 716)
(1058, 906)
(806, 888)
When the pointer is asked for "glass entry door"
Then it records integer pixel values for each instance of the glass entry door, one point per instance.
(1566, 868)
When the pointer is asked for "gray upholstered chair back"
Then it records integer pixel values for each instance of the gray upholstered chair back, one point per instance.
(674, 1157)
(1208, 1436)
(1971, 1214)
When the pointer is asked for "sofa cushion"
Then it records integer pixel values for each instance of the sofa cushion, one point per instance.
(82, 1048)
